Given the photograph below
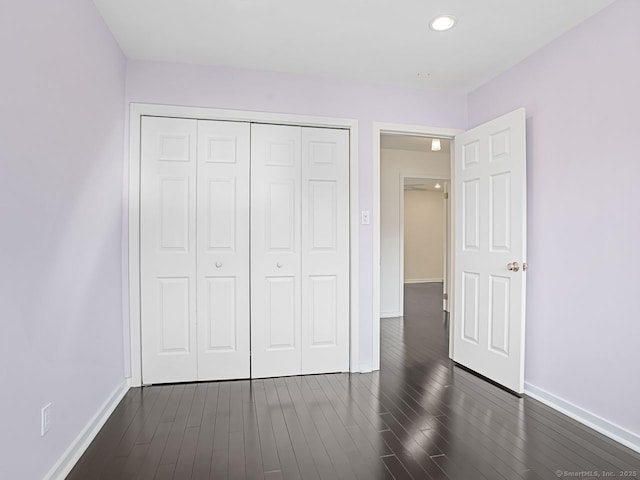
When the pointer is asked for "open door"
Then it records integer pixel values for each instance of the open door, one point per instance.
(490, 249)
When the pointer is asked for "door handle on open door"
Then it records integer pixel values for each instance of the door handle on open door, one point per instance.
(513, 266)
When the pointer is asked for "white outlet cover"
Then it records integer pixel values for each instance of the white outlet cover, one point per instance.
(45, 419)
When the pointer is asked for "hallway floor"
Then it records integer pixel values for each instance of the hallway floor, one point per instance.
(419, 417)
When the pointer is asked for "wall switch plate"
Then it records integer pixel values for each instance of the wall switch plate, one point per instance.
(45, 419)
(365, 217)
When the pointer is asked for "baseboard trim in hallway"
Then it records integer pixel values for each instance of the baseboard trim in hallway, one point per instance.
(70, 457)
(591, 420)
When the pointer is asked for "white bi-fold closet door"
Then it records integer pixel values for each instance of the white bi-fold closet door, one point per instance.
(194, 244)
(299, 250)
(203, 268)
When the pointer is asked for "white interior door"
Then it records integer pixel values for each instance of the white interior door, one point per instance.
(223, 250)
(275, 251)
(325, 250)
(168, 250)
(490, 226)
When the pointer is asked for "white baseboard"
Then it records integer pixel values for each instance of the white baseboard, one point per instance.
(365, 368)
(71, 456)
(424, 280)
(599, 424)
(390, 314)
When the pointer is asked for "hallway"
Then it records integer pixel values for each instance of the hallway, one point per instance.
(419, 417)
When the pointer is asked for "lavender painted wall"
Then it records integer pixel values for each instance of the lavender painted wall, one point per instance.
(61, 137)
(582, 98)
(179, 84)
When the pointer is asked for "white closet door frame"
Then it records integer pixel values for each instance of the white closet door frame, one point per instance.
(131, 225)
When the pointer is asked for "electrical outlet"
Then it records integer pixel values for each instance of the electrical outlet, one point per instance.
(45, 419)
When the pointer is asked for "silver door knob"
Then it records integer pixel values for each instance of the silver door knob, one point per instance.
(513, 266)
(524, 266)
(218, 264)
(279, 265)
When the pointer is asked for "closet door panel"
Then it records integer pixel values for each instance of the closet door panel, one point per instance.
(325, 250)
(223, 250)
(275, 251)
(168, 250)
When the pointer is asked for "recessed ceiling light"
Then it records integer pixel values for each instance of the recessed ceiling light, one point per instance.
(437, 185)
(442, 23)
(435, 144)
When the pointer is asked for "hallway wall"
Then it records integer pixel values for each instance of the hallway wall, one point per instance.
(423, 236)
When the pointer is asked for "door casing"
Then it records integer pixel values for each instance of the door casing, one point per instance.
(401, 129)
(131, 226)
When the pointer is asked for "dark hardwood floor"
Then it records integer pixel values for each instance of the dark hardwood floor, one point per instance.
(419, 417)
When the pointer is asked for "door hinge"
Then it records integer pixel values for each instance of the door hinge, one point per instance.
(445, 296)
(446, 195)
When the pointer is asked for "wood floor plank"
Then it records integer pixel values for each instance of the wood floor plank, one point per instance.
(396, 468)
(129, 438)
(220, 455)
(301, 392)
(197, 408)
(176, 435)
(288, 462)
(184, 465)
(320, 452)
(304, 427)
(156, 447)
(135, 462)
(415, 461)
(151, 422)
(252, 451)
(165, 472)
(358, 460)
(270, 460)
(204, 449)
(302, 450)
(170, 410)
(237, 463)
(358, 427)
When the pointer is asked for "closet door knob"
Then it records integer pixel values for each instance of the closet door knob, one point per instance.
(218, 264)
(279, 265)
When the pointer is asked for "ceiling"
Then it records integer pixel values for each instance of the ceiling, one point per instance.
(378, 41)
(412, 143)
